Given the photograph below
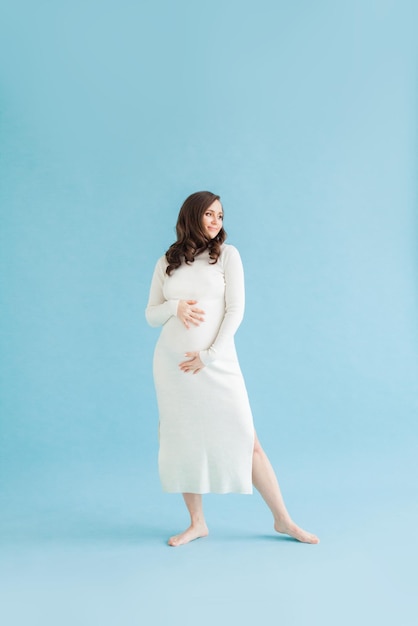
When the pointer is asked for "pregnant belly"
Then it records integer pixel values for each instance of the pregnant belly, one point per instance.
(176, 338)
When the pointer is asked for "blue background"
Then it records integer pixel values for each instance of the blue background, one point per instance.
(303, 117)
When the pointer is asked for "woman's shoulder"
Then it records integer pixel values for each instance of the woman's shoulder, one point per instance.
(229, 257)
(162, 260)
(161, 264)
(229, 248)
(229, 251)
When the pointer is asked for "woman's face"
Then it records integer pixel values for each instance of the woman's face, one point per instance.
(212, 219)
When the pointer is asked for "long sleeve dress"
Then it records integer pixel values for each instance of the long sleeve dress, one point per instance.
(206, 431)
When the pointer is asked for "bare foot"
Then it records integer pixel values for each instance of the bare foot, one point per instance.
(290, 528)
(193, 532)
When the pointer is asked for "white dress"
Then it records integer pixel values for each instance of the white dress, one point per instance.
(206, 431)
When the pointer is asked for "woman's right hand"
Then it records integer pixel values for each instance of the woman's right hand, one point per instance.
(188, 313)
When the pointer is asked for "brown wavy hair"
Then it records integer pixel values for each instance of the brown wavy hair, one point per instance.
(191, 238)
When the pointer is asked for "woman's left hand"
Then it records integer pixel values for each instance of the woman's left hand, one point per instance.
(194, 365)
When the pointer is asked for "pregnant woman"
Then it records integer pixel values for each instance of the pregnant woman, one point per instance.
(207, 439)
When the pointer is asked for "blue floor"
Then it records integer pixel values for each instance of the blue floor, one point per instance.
(92, 551)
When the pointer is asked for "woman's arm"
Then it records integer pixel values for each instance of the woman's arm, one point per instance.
(234, 305)
(159, 310)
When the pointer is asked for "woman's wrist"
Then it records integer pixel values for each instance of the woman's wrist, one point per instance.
(206, 356)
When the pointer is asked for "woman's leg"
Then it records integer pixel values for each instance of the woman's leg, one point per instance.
(197, 527)
(265, 481)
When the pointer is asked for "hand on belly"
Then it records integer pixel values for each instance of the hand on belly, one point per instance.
(189, 313)
(194, 364)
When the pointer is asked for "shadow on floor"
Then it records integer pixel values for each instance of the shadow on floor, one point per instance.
(83, 531)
